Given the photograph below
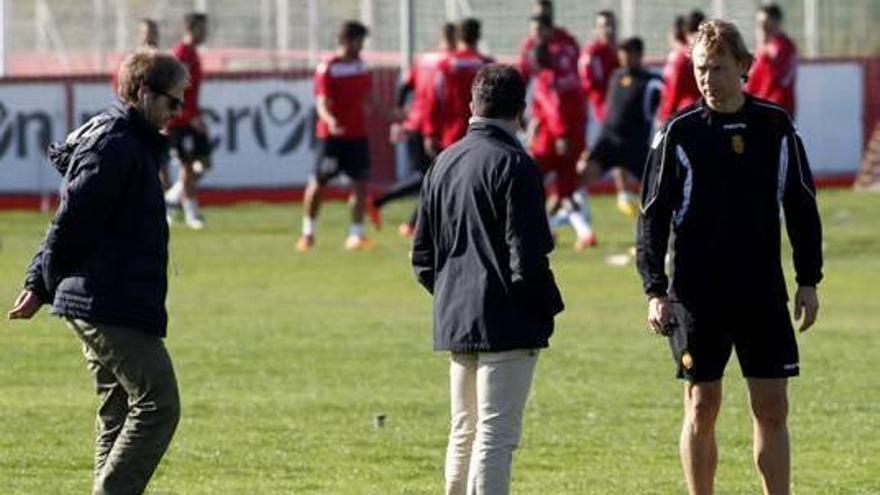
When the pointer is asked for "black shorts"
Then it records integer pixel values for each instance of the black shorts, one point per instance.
(347, 156)
(415, 150)
(612, 151)
(764, 340)
(190, 145)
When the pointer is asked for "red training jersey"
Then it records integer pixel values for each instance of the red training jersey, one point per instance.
(423, 78)
(189, 57)
(774, 73)
(346, 84)
(560, 42)
(449, 110)
(679, 84)
(560, 112)
(598, 61)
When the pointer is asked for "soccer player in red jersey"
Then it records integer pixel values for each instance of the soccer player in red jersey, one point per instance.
(559, 42)
(448, 112)
(774, 73)
(188, 134)
(679, 85)
(343, 89)
(413, 132)
(557, 130)
(598, 61)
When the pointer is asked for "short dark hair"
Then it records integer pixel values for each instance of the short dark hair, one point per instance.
(352, 30)
(608, 15)
(450, 34)
(632, 45)
(679, 28)
(545, 7)
(693, 20)
(773, 11)
(498, 92)
(192, 19)
(469, 31)
(542, 20)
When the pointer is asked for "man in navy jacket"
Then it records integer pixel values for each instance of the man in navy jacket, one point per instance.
(102, 266)
(481, 246)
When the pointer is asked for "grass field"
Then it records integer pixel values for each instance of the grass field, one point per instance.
(284, 359)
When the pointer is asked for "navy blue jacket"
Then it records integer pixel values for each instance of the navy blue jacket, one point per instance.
(481, 246)
(104, 258)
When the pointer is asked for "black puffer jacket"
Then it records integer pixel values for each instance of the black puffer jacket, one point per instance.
(105, 255)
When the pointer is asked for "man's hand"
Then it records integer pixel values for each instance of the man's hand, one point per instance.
(806, 303)
(658, 315)
(396, 133)
(26, 305)
(334, 127)
(561, 145)
(432, 147)
(199, 125)
(582, 164)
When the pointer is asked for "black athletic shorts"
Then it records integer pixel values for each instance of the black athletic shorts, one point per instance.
(347, 156)
(702, 340)
(415, 149)
(612, 151)
(190, 145)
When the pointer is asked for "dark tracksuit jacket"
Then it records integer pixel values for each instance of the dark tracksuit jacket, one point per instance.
(481, 246)
(719, 182)
(104, 258)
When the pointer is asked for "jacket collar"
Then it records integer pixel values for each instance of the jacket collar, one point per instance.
(139, 124)
(497, 127)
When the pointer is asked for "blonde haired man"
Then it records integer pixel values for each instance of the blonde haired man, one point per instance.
(719, 175)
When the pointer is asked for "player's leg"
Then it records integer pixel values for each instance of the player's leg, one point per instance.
(566, 182)
(463, 421)
(769, 401)
(697, 445)
(701, 348)
(408, 229)
(768, 355)
(196, 163)
(192, 214)
(590, 170)
(354, 161)
(174, 189)
(326, 167)
(627, 201)
(411, 184)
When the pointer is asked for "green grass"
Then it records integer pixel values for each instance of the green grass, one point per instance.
(283, 360)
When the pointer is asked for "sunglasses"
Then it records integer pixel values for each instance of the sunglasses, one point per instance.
(176, 103)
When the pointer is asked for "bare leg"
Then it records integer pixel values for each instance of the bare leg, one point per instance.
(358, 201)
(699, 452)
(312, 199)
(619, 179)
(189, 178)
(769, 402)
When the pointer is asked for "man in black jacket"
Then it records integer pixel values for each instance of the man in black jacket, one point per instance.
(102, 266)
(481, 247)
(719, 175)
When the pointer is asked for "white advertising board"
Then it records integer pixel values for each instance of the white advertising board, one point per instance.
(261, 128)
(830, 111)
(31, 116)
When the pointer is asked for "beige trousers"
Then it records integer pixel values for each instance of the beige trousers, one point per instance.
(488, 392)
